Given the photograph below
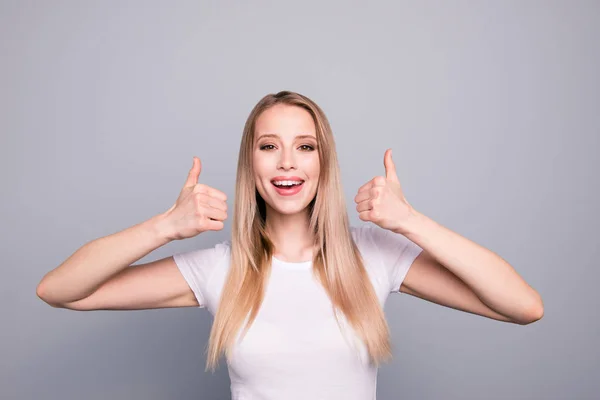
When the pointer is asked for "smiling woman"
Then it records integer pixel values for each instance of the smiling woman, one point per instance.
(286, 166)
(297, 294)
(287, 141)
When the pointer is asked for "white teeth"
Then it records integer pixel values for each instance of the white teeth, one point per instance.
(287, 183)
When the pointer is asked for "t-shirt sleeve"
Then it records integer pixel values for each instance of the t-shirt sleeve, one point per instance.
(396, 253)
(197, 267)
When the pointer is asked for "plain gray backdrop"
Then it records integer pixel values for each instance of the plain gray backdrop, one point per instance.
(491, 109)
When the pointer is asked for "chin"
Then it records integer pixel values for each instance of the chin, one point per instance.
(288, 210)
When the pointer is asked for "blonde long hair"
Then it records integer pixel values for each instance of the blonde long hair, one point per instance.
(337, 263)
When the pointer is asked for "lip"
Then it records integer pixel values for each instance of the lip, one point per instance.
(287, 178)
(288, 192)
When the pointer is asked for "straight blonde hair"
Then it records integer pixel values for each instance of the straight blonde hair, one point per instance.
(337, 262)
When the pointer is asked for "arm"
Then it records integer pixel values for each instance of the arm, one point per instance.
(158, 284)
(456, 272)
(429, 280)
(97, 276)
(452, 270)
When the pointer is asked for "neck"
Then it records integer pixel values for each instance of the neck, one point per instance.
(290, 234)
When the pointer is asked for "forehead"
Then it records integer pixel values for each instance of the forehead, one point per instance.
(285, 121)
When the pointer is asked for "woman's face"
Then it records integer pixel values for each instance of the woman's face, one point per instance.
(285, 151)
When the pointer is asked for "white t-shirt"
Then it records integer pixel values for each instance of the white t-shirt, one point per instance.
(294, 349)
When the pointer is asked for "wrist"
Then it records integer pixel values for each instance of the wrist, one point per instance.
(421, 229)
(413, 224)
(160, 227)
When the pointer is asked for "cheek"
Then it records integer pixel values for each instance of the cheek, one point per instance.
(261, 172)
(315, 170)
(259, 167)
(311, 165)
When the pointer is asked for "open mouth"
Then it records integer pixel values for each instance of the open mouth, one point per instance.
(288, 188)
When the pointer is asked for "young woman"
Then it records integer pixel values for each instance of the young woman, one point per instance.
(297, 294)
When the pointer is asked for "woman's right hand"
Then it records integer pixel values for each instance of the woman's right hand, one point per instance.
(198, 208)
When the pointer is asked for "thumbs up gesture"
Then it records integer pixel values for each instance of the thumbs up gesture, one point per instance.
(382, 201)
(198, 208)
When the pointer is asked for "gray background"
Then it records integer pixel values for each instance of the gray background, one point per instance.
(491, 109)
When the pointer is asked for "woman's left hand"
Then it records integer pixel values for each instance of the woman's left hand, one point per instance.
(382, 201)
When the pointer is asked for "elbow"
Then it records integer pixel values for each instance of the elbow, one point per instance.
(533, 313)
(39, 291)
(41, 294)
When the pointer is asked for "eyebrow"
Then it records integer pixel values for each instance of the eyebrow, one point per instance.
(273, 135)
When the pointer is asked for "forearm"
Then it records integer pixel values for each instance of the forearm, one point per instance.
(97, 261)
(491, 278)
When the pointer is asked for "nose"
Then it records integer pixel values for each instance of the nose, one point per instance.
(286, 160)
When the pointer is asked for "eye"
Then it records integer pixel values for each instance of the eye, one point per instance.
(310, 148)
(305, 147)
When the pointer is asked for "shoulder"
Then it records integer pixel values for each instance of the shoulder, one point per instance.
(386, 252)
(370, 236)
(203, 267)
(373, 236)
(366, 238)
(205, 259)
(220, 249)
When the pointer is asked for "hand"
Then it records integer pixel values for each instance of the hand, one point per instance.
(382, 202)
(198, 208)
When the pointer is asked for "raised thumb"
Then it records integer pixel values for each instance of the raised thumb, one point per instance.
(390, 168)
(194, 174)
